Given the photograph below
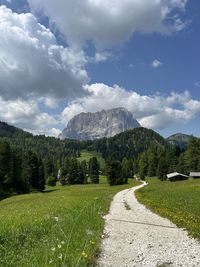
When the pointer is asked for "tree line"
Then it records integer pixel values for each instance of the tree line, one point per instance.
(158, 161)
(29, 162)
(23, 172)
(20, 172)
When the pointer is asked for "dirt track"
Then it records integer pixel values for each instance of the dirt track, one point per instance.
(134, 236)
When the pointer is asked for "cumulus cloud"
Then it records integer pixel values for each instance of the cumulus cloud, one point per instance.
(27, 115)
(101, 57)
(36, 71)
(156, 112)
(32, 64)
(156, 64)
(110, 22)
(49, 102)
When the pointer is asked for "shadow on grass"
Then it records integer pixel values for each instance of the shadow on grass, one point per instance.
(5, 195)
(49, 191)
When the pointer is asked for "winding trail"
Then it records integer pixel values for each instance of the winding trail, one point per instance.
(134, 236)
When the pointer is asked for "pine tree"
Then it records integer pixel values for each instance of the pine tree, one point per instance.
(127, 169)
(192, 155)
(162, 169)
(34, 171)
(84, 169)
(41, 176)
(143, 166)
(49, 168)
(114, 173)
(73, 172)
(152, 163)
(19, 182)
(80, 175)
(181, 165)
(6, 166)
(94, 170)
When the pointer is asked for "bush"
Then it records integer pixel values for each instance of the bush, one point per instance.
(51, 181)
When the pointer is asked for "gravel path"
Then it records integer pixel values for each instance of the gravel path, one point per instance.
(134, 236)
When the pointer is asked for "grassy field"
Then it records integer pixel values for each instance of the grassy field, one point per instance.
(87, 155)
(61, 227)
(178, 201)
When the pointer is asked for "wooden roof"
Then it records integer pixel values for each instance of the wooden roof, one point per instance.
(174, 174)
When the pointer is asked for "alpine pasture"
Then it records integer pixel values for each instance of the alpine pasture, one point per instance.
(178, 201)
(61, 227)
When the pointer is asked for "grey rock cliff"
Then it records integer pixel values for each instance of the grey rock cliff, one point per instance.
(106, 123)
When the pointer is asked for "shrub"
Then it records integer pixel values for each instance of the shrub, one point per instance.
(51, 181)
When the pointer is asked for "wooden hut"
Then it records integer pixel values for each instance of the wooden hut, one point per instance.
(175, 176)
(195, 175)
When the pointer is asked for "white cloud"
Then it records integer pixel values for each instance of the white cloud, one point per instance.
(27, 115)
(54, 132)
(49, 102)
(33, 64)
(101, 57)
(70, 111)
(156, 64)
(111, 22)
(156, 112)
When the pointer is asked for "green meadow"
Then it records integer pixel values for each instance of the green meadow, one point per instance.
(178, 201)
(87, 155)
(60, 227)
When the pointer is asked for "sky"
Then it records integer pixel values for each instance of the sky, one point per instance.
(60, 58)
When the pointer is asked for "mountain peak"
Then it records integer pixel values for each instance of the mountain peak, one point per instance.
(105, 123)
(179, 139)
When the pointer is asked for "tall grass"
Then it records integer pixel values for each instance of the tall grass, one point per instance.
(61, 227)
(178, 201)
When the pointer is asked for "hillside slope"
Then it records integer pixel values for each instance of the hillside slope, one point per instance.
(129, 143)
(45, 147)
(180, 140)
(7, 130)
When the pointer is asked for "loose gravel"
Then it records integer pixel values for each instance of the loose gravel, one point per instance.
(134, 236)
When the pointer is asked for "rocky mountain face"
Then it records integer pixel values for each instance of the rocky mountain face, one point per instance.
(106, 123)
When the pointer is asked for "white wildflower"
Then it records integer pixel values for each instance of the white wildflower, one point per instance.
(89, 232)
(56, 218)
(60, 256)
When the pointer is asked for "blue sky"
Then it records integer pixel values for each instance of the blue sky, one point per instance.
(93, 55)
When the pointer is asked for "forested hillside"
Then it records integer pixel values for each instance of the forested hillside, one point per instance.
(156, 161)
(44, 147)
(28, 162)
(128, 144)
(179, 139)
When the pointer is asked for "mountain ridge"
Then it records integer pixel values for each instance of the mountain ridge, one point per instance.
(100, 124)
(179, 139)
